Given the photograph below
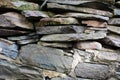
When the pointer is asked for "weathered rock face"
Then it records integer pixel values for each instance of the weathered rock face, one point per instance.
(87, 70)
(44, 57)
(59, 40)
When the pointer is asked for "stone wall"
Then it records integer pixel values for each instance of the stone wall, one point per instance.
(59, 40)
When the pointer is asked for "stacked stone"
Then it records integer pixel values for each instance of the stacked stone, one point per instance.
(59, 40)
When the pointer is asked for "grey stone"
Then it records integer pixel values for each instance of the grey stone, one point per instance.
(46, 58)
(24, 5)
(68, 78)
(14, 20)
(56, 21)
(55, 44)
(74, 37)
(34, 15)
(79, 2)
(78, 9)
(114, 29)
(60, 29)
(8, 48)
(9, 70)
(9, 32)
(83, 16)
(54, 30)
(93, 71)
(114, 21)
(113, 40)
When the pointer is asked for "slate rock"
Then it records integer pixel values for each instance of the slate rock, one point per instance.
(9, 32)
(46, 58)
(114, 29)
(56, 21)
(107, 56)
(8, 48)
(54, 30)
(55, 44)
(83, 16)
(34, 15)
(74, 37)
(93, 71)
(55, 7)
(23, 5)
(113, 40)
(9, 70)
(94, 23)
(114, 21)
(14, 20)
(89, 45)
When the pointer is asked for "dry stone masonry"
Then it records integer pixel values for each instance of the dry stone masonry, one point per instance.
(59, 39)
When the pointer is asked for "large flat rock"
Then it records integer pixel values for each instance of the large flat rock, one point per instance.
(93, 71)
(46, 58)
(54, 7)
(74, 37)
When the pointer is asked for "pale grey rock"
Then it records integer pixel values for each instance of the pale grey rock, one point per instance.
(93, 71)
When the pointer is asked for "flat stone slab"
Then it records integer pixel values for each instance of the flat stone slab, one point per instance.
(114, 29)
(56, 21)
(55, 6)
(92, 71)
(46, 58)
(14, 20)
(83, 16)
(113, 40)
(74, 37)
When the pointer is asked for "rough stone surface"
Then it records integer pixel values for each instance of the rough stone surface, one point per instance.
(45, 57)
(74, 37)
(96, 71)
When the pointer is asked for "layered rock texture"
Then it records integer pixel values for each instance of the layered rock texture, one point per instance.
(59, 40)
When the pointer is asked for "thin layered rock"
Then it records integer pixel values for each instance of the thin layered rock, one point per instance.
(114, 21)
(114, 29)
(78, 9)
(56, 21)
(74, 37)
(83, 16)
(56, 45)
